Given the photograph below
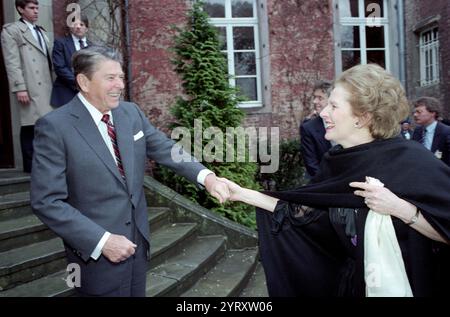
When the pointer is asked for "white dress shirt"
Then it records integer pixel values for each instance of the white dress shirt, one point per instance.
(429, 136)
(76, 42)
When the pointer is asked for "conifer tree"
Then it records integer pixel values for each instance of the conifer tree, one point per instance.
(208, 97)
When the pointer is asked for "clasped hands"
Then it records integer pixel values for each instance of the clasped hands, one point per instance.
(222, 189)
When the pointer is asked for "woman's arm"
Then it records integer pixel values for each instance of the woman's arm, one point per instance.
(250, 196)
(383, 201)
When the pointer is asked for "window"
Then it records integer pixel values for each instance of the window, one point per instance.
(238, 28)
(364, 34)
(429, 57)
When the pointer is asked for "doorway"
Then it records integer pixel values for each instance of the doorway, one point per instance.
(6, 138)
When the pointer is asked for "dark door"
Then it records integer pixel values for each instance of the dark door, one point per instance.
(6, 141)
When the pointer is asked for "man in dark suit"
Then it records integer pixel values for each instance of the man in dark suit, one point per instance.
(312, 132)
(434, 135)
(64, 87)
(88, 173)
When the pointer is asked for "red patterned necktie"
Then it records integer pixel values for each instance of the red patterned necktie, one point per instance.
(112, 135)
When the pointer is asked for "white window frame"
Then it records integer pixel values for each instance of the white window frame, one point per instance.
(228, 23)
(429, 63)
(361, 22)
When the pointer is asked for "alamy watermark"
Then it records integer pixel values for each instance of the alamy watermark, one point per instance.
(235, 144)
(73, 278)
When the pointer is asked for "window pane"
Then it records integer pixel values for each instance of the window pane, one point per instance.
(348, 8)
(350, 36)
(374, 8)
(247, 87)
(243, 38)
(215, 8)
(244, 63)
(377, 57)
(375, 37)
(222, 34)
(242, 8)
(350, 59)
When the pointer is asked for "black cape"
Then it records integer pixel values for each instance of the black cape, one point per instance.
(302, 256)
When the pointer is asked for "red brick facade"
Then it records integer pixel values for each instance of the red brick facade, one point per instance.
(300, 47)
(417, 14)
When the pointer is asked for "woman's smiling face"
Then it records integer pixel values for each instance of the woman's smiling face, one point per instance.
(340, 123)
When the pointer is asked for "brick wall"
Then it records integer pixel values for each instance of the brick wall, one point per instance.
(155, 85)
(301, 51)
(415, 12)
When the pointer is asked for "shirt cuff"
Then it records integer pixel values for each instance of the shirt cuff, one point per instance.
(202, 176)
(98, 249)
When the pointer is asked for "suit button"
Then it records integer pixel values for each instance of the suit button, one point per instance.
(39, 84)
(128, 223)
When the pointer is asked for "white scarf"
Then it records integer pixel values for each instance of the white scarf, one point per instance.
(384, 270)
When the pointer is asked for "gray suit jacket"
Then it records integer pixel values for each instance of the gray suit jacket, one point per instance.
(77, 190)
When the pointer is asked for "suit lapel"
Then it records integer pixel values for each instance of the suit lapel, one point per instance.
(70, 45)
(82, 121)
(436, 138)
(125, 141)
(29, 37)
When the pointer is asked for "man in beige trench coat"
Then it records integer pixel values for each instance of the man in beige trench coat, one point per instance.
(26, 52)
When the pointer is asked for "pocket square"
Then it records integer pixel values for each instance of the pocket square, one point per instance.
(139, 135)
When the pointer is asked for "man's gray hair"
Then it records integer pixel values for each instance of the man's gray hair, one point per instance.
(86, 61)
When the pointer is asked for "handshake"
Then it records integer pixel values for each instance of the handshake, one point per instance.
(223, 189)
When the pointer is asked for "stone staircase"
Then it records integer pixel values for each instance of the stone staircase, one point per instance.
(194, 251)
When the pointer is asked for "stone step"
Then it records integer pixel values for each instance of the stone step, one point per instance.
(180, 272)
(257, 286)
(30, 262)
(158, 217)
(15, 233)
(13, 182)
(169, 241)
(53, 285)
(14, 205)
(18, 232)
(228, 277)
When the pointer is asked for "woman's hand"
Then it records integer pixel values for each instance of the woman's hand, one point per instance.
(379, 199)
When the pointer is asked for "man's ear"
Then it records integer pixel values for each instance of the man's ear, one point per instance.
(83, 82)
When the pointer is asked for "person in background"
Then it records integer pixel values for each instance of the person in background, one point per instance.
(323, 239)
(64, 87)
(432, 134)
(406, 131)
(313, 144)
(26, 50)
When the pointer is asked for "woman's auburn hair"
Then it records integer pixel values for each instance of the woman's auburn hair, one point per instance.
(376, 92)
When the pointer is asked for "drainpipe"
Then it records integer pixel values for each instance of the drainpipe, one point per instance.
(126, 25)
(401, 40)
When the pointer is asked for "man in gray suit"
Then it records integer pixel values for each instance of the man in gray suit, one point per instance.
(26, 51)
(88, 172)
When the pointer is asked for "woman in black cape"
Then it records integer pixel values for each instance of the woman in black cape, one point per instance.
(312, 238)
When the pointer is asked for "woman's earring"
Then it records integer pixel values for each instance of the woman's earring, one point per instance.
(357, 125)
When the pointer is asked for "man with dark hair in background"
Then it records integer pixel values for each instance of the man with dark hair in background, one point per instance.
(64, 87)
(434, 135)
(312, 141)
(26, 51)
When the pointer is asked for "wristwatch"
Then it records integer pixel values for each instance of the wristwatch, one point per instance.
(414, 218)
